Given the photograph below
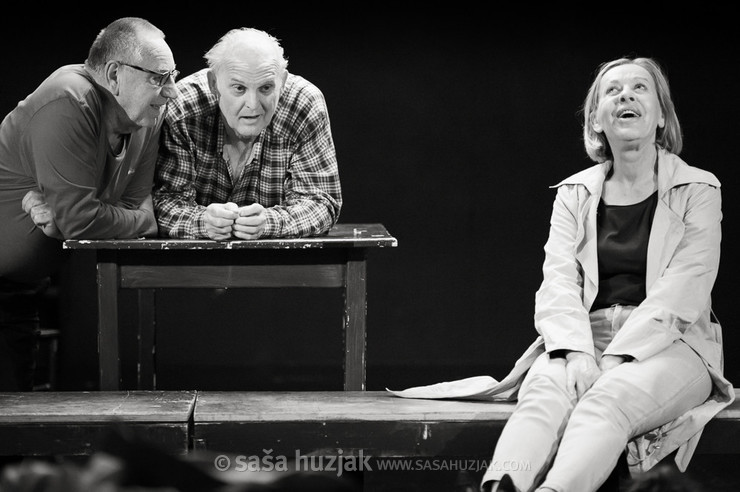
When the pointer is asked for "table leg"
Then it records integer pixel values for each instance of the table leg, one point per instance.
(108, 355)
(355, 314)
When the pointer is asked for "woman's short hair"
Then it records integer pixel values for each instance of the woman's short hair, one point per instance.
(668, 137)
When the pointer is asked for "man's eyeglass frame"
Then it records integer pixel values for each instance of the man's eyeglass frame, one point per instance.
(162, 77)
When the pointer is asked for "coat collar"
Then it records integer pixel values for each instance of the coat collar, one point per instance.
(672, 172)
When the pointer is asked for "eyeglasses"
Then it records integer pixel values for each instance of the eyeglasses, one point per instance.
(158, 78)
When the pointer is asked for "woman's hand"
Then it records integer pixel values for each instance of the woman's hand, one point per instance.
(581, 372)
(609, 362)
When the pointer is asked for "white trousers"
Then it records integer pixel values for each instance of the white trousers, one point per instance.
(573, 446)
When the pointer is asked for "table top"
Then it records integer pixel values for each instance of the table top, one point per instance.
(341, 235)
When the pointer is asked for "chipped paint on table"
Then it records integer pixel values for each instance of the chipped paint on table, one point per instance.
(342, 235)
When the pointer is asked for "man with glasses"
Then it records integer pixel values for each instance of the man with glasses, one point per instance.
(159, 79)
(77, 161)
(247, 151)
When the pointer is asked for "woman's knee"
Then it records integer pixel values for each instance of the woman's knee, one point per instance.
(546, 379)
(632, 403)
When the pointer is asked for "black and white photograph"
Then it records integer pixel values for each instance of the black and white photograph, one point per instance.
(369, 247)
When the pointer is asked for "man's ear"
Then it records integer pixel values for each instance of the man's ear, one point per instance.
(212, 82)
(112, 75)
(284, 78)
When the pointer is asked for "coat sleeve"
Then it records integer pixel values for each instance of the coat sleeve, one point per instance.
(560, 316)
(682, 292)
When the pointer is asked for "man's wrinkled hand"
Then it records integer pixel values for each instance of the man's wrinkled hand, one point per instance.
(219, 219)
(34, 204)
(31, 199)
(251, 222)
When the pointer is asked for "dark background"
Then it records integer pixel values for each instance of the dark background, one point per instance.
(449, 128)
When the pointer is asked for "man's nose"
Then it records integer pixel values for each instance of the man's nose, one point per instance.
(250, 99)
(170, 90)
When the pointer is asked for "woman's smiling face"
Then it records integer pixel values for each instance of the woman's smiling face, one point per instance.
(629, 109)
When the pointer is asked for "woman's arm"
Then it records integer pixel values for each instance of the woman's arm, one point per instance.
(560, 316)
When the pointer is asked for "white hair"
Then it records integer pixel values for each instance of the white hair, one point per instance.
(221, 51)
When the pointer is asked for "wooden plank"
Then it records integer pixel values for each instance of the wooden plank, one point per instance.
(84, 407)
(320, 406)
(374, 438)
(379, 424)
(73, 423)
(372, 422)
(231, 276)
(65, 439)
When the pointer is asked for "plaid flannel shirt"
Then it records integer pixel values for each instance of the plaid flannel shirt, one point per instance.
(293, 172)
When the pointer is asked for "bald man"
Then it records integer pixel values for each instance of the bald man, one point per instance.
(246, 152)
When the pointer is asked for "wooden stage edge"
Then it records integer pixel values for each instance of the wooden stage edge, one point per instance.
(350, 423)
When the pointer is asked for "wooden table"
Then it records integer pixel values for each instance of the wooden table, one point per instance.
(337, 259)
(72, 423)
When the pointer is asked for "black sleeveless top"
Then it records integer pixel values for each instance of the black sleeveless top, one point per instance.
(623, 232)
